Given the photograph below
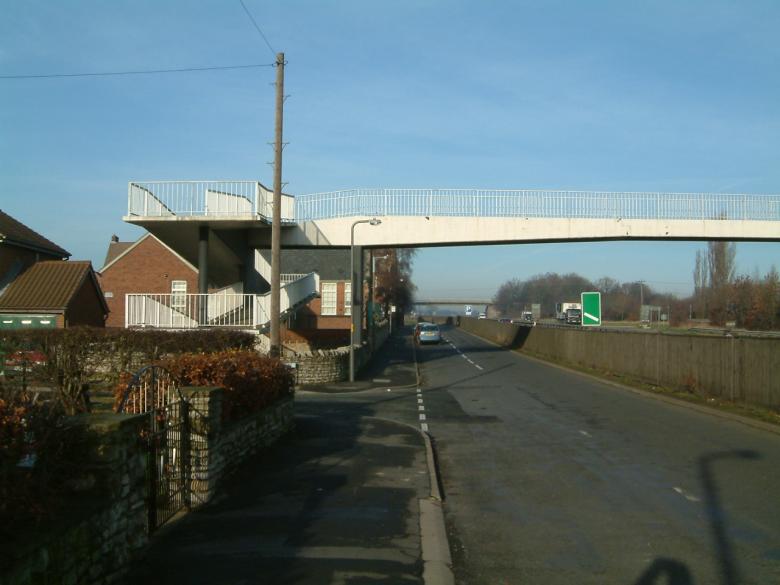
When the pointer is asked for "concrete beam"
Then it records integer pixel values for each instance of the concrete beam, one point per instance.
(415, 231)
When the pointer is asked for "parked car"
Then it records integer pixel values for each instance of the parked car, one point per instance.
(428, 333)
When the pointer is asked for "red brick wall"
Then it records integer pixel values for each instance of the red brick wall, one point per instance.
(85, 307)
(310, 317)
(148, 268)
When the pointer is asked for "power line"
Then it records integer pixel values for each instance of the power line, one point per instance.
(249, 14)
(140, 72)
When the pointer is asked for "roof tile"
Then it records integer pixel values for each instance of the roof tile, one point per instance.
(45, 286)
(15, 232)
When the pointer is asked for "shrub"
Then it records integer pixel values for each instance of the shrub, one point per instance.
(41, 452)
(77, 359)
(250, 381)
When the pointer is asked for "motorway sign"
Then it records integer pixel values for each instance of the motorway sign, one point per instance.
(591, 309)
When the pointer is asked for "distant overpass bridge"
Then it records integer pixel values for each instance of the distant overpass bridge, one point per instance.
(477, 305)
(452, 302)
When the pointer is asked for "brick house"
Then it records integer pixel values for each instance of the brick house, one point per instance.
(332, 309)
(144, 266)
(148, 266)
(53, 293)
(21, 247)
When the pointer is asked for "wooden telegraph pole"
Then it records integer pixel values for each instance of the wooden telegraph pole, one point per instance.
(276, 225)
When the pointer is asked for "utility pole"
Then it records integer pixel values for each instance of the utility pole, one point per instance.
(276, 224)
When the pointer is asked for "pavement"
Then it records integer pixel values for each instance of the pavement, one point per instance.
(391, 367)
(346, 498)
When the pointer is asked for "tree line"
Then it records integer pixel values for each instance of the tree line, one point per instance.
(719, 296)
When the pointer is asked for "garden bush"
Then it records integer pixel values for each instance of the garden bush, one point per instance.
(250, 381)
(43, 454)
(73, 361)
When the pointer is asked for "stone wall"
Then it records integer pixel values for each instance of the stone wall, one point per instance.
(742, 368)
(103, 526)
(218, 448)
(332, 365)
(106, 524)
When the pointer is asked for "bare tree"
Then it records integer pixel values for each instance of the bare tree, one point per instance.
(721, 265)
(393, 276)
(700, 283)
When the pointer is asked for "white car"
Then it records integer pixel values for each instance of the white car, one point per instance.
(428, 333)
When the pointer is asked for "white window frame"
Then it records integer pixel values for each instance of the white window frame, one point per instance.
(347, 298)
(329, 299)
(179, 295)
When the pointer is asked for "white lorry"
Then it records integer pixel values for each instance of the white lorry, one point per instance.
(568, 312)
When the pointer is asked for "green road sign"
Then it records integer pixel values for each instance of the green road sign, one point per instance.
(591, 309)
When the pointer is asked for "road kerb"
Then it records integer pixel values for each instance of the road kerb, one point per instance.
(437, 561)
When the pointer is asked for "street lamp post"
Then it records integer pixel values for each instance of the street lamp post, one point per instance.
(356, 312)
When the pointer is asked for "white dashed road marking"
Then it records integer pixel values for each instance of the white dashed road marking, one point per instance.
(687, 496)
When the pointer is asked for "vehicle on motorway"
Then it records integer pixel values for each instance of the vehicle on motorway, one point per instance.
(574, 316)
(427, 333)
(562, 308)
(505, 320)
(418, 328)
(483, 315)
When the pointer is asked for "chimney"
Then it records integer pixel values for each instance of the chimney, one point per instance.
(115, 238)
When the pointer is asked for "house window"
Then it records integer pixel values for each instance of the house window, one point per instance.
(347, 298)
(329, 298)
(179, 295)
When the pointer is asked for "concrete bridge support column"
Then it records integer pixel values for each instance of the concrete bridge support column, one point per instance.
(356, 330)
(203, 273)
(357, 295)
(370, 301)
(203, 259)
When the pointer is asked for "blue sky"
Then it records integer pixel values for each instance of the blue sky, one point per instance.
(619, 96)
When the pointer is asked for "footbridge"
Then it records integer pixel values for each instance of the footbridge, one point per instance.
(173, 210)
(220, 226)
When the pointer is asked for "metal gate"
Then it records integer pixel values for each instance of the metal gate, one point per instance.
(156, 391)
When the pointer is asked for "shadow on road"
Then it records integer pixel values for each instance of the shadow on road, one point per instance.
(329, 503)
(674, 572)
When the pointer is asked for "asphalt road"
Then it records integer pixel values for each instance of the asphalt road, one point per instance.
(551, 477)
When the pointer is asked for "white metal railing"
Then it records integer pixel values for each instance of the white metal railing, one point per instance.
(288, 278)
(221, 309)
(535, 203)
(250, 199)
(291, 294)
(226, 199)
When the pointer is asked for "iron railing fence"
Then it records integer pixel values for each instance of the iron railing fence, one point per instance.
(244, 199)
(536, 203)
(191, 311)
